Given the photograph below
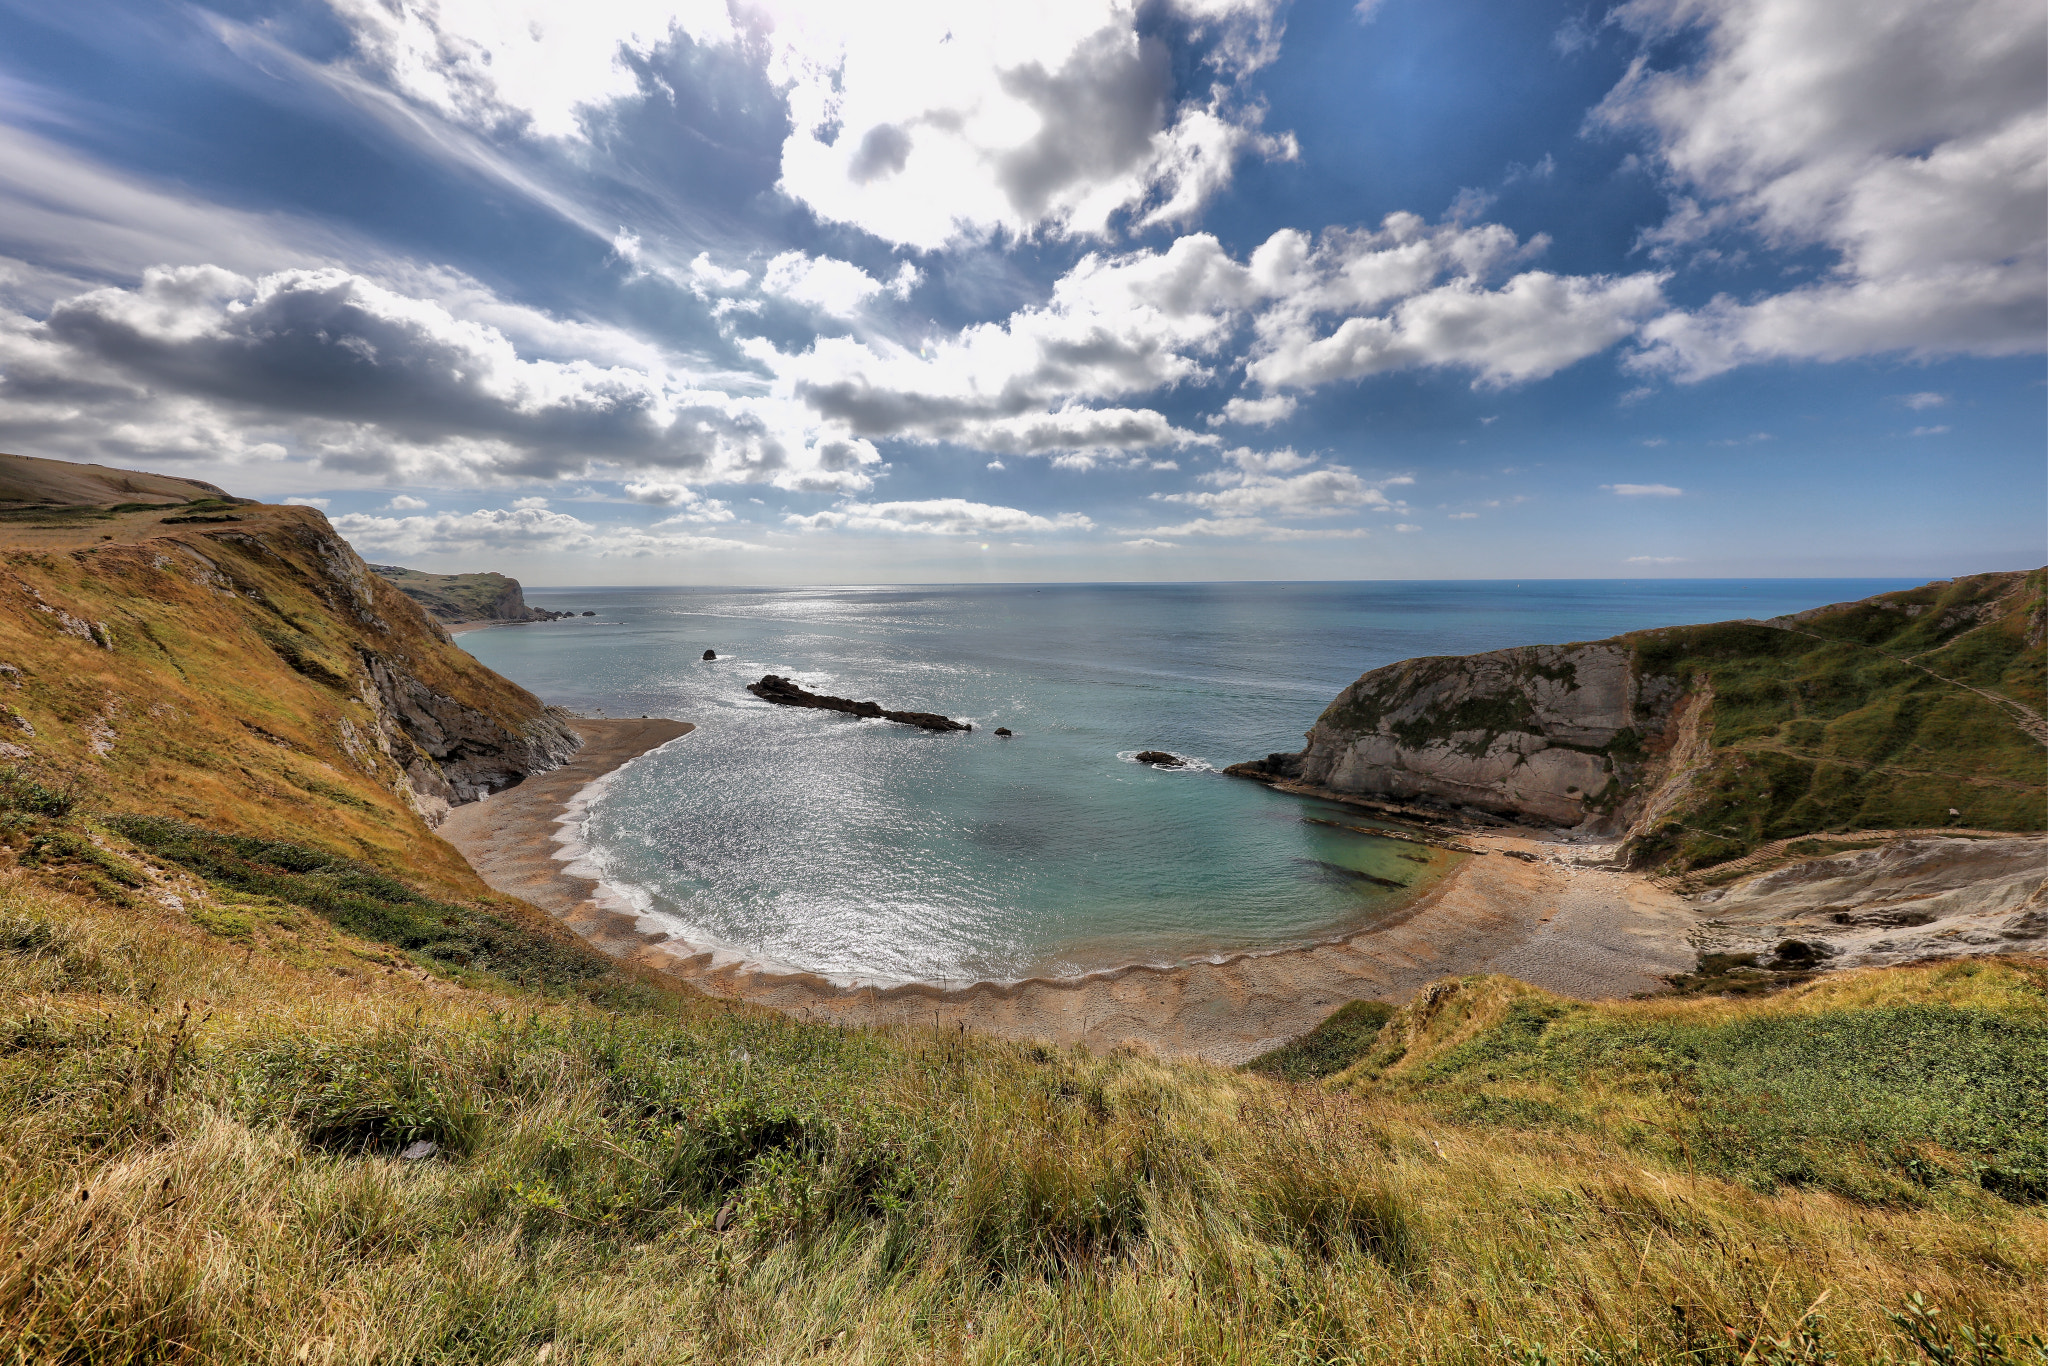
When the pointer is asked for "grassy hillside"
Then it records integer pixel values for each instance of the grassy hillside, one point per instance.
(212, 668)
(282, 1082)
(203, 1103)
(1883, 714)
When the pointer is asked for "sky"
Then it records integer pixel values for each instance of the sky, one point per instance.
(812, 291)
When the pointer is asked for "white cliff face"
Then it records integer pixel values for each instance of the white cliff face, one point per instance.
(1552, 733)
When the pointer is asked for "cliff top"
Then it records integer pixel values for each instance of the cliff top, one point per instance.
(458, 597)
(28, 481)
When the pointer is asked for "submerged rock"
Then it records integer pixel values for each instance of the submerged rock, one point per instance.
(777, 689)
(1002, 730)
(711, 654)
(1159, 758)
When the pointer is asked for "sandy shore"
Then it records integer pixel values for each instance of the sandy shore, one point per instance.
(1583, 931)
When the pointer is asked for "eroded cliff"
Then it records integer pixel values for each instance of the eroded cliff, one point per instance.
(239, 666)
(1915, 709)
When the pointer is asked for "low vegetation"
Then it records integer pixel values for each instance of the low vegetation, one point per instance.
(1897, 712)
(203, 1104)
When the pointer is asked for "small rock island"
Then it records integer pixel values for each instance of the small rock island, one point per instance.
(775, 688)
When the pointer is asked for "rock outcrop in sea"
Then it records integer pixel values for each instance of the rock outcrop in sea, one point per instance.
(777, 689)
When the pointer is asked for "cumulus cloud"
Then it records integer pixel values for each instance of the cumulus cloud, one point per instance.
(307, 502)
(1911, 142)
(829, 285)
(1032, 383)
(1039, 382)
(691, 506)
(514, 531)
(1148, 543)
(938, 517)
(1263, 483)
(1256, 412)
(343, 370)
(405, 502)
(1415, 295)
(1643, 490)
(1924, 400)
(917, 121)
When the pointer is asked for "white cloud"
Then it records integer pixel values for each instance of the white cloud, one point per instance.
(691, 506)
(514, 531)
(1530, 328)
(938, 517)
(1930, 431)
(1256, 412)
(307, 502)
(340, 370)
(831, 286)
(1147, 543)
(1255, 483)
(1149, 320)
(707, 278)
(923, 121)
(916, 121)
(997, 465)
(1924, 400)
(1463, 516)
(529, 504)
(405, 502)
(1656, 559)
(1909, 139)
(1254, 526)
(1644, 490)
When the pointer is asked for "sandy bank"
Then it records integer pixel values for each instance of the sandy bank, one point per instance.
(1584, 931)
(508, 836)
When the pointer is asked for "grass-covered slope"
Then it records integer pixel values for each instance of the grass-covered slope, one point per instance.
(217, 669)
(202, 1103)
(1889, 713)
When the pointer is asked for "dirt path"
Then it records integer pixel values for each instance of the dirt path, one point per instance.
(1980, 780)
(2021, 715)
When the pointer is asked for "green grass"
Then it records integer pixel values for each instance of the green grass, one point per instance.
(202, 1109)
(1344, 1037)
(376, 906)
(1873, 1102)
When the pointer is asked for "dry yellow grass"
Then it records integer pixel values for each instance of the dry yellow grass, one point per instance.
(932, 1198)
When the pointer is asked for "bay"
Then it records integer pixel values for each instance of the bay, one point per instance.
(872, 852)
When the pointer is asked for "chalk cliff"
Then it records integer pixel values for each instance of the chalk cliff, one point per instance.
(1915, 709)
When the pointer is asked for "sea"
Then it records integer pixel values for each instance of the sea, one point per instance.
(871, 852)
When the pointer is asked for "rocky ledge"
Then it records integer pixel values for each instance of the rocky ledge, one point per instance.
(777, 689)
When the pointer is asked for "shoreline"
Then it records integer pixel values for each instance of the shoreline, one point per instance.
(1582, 931)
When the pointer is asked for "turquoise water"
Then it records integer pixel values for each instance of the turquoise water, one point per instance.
(870, 851)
